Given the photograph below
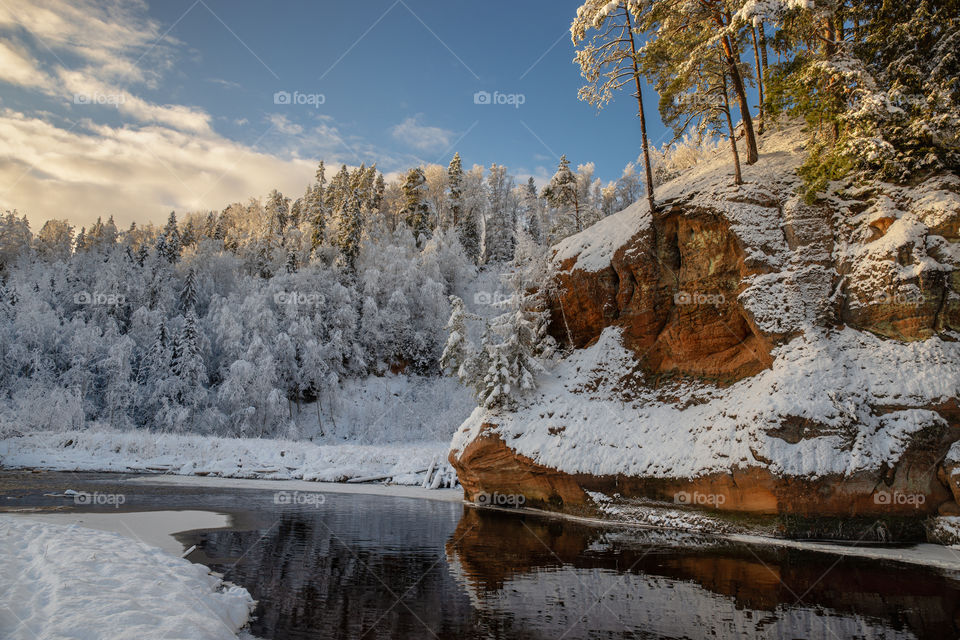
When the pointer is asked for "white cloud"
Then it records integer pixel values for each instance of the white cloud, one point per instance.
(133, 174)
(283, 125)
(113, 37)
(420, 136)
(17, 67)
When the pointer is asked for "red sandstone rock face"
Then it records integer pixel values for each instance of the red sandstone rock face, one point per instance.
(673, 289)
(911, 488)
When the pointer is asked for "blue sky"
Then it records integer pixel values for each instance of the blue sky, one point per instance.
(177, 104)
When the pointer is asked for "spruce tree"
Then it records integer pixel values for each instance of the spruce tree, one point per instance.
(563, 195)
(455, 186)
(416, 212)
(172, 245)
(349, 232)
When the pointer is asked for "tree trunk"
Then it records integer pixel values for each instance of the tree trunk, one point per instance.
(763, 46)
(737, 176)
(756, 59)
(647, 171)
(729, 54)
(829, 50)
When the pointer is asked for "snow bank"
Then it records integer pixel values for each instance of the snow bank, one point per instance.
(594, 247)
(581, 421)
(66, 581)
(141, 451)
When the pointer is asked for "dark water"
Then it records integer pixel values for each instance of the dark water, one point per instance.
(360, 566)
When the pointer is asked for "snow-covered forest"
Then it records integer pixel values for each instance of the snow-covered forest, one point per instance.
(231, 323)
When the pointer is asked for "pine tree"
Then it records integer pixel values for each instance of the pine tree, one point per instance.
(335, 195)
(278, 209)
(498, 239)
(188, 366)
(679, 36)
(469, 234)
(379, 187)
(610, 61)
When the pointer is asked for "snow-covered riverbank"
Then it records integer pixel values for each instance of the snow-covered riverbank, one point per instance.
(67, 581)
(145, 452)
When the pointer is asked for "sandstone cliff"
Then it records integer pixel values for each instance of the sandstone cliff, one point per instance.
(741, 350)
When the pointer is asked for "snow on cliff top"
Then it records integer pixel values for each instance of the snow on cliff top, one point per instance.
(579, 421)
(708, 184)
(594, 246)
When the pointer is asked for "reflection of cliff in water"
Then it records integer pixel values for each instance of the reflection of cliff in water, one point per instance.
(338, 571)
(543, 576)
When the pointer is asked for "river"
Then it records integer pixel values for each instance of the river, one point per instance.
(352, 565)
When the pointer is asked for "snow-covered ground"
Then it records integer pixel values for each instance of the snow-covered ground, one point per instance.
(64, 581)
(145, 451)
(393, 426)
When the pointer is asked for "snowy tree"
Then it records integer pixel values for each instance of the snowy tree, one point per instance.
(416, 212)
(188, 294)
(689, 35)
(499, 230)
(349, 231)
(459, 354)
(564, 196)
(455, 186)
(55, 240)
(170, 247)
(610, 60)
(532, 211)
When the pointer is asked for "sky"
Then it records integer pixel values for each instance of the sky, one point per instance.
(135, 108)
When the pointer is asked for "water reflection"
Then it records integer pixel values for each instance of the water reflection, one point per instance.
(374, 567)
(563, 579)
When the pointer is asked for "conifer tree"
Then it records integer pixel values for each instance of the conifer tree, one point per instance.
(562, 194)
(610, 61)
(188, 294)
(171, 240)
(349, 232)
(415, 211)
(455, 185)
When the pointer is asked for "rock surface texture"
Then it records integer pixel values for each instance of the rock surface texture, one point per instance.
(741, 350)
